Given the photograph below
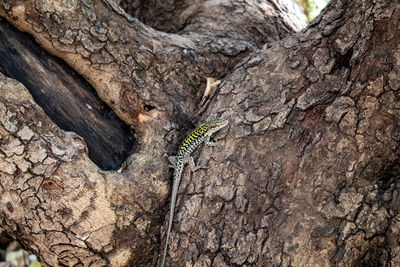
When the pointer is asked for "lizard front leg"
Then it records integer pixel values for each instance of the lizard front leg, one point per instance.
(209, 142)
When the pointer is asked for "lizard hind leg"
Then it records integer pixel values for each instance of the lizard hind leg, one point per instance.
(192, 165)
(172, 160)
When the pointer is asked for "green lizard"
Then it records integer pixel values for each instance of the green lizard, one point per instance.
(189, 144)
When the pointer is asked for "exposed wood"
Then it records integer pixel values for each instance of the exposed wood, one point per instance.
(65, 97)
(306, 174)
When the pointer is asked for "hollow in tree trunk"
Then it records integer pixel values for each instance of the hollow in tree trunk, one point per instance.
(306, 173)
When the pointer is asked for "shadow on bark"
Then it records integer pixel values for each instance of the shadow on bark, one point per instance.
(66, 97)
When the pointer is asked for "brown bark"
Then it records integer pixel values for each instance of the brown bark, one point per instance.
(254, 22)
(306, 174)
(65, 97)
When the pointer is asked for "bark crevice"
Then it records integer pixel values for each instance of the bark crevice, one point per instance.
(305, 174)
(65, 97)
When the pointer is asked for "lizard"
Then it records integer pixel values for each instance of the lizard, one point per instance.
(190, 143)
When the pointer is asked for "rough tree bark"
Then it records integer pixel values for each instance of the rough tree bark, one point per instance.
(306, 173)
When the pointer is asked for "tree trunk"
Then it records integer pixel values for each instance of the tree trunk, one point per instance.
(306, 173)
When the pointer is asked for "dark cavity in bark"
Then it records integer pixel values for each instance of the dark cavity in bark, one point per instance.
(66, 97)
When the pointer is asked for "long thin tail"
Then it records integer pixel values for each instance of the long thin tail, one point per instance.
(175, 187)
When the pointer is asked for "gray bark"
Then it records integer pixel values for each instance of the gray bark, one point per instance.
(305, 174)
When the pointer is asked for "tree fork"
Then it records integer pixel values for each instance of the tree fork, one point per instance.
(316, 112)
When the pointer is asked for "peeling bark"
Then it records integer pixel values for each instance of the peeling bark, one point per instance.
(306, 173)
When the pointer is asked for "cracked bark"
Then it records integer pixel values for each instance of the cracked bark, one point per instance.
(306, 173)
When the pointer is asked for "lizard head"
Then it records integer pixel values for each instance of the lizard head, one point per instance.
(216, 124)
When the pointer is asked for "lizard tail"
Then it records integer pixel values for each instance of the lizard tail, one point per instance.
(175, 187)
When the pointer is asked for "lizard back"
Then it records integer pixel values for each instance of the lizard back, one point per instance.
(192, 140)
